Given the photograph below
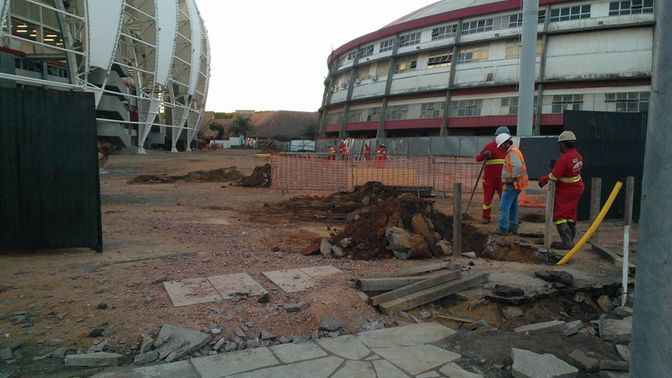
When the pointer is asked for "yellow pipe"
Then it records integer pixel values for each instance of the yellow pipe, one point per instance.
(594, 226)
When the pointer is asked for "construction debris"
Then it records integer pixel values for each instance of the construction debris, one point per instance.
(231, 174)
(554, 325)
(617, 330)
(528, 364)
(260, 178)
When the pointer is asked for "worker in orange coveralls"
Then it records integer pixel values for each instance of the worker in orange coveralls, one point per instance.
(566, 173)
(381, 153)
(493, 159)
(344, 150)
(367, 152)
(332, 153)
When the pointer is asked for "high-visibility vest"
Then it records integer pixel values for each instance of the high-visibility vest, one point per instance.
(521, 182)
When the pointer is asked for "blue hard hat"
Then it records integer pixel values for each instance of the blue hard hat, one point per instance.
(502, 130)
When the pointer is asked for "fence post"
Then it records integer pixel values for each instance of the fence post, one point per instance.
(457, 219)
(595, 203)
(550, 204)
(629, 197)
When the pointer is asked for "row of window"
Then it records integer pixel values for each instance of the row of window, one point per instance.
(623, 101)
(619, 8)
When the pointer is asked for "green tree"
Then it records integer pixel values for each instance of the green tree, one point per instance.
(241, 126)
(310, 130)
(218, 128)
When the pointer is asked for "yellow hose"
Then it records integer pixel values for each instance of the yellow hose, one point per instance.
(594, 226)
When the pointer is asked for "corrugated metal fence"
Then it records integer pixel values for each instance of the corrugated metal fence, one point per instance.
(50, 192)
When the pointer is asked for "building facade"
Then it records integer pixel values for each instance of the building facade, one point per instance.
(146, 61)
(452, 68)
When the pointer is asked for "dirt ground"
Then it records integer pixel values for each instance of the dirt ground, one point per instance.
(157, 232)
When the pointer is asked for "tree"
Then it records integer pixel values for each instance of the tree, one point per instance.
(310, 130)
(218, 128)
(241, 126)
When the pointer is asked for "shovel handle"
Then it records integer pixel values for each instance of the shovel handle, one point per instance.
(475, 186)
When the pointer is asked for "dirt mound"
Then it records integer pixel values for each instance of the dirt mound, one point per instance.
(260, 177)
(215, 175)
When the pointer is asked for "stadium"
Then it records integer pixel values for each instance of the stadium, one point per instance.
(146, 61)
(452, 68)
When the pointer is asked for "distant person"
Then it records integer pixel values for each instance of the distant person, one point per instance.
(566, 172)
(381, 153)
(514, 180)
(331, 150)
(344, 150)
(367, 152)
(493, 160)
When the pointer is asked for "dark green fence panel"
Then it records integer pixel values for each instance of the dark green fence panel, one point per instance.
(49, 189)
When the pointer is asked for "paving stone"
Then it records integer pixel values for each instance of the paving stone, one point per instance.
(289, 353)
(146, 358)
(614, 365)
(229, 285)
(191, 291)
(585, 362)
(147, 343)
(179, 341)
(417, 359)
(554, 325)
(291, 280)
(454, 370)
(372, 358)
(296, 306)
(624, 352)
(222, 365)
(180, 369)
(321, 368)
(412, 334)
(528, 364)
(623, 312)
(346, 346)
(92, 359)
(331, 324)
(573, 327)
(429, 374)
(359, 369)
(617, 330)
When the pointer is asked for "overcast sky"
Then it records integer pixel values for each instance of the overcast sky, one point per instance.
(271, 55)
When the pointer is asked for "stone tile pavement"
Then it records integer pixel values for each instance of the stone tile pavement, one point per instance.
(408, 351)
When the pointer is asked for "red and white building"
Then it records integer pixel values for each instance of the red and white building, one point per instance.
(452, 68)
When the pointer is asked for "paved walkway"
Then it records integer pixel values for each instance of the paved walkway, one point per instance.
(408, 351)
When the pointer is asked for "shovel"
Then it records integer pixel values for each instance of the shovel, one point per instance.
(465, 215)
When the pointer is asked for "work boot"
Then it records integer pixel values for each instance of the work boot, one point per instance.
(572, 228)
(513, 229)
(566, 236)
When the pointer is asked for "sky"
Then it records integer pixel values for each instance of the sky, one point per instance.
(271, 55)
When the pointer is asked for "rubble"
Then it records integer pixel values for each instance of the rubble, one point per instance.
(556, 276)
(174, 342)
(586, 363)
(296, 306)
(624, 352)
(147, 343)
(230, 174)
(623, 312)
(146, 358)
(512, 312)
(331, 324)
(261, 177)
(614, 365)
(508, 291)
(528, 364)
(617, 330)
(98, 359)
(554, 325)
(605, 303)
(573, 328)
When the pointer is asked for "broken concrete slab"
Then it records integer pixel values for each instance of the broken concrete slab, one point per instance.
(528, 364)
(226, 364)
(346, 346)
(331, 324)
(180, 369)
(623, 352)
(386, 369)
(604, 302)
(417, 359)
(359, 369)
(471, 255)
(412, 334)
(512, 312)
(321, 272)
(6, 354)
(454, 370)
(320, 368)
(617, 330)
(556, 276)
(179, 341)
(191, 291)
(573, 327)
(98, 359)
(554, 325)
(296, 306)
(508, 291)
(289, 353)
(623, 312)
(146, 358)
(614, 365)
(230, 286)
(325, 248)
(147, 343)
(291, 280)
(585, 362)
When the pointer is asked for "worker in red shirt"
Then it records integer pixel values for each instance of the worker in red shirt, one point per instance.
(367, 152)
(493, 161)
(566, 173)
(332, 153)
(344, 150)
(381, 153)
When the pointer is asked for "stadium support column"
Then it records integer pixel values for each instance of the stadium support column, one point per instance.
(528, 61)
(381, 134)
(542, 73)
(652, 328)
(351, 83)
(68, 40)
(326, 100)
(451, 80)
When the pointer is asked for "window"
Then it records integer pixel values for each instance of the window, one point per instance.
(439, 61)
(509, 106)
(365, 51)
(334, 118)
(386, 45)
(347, 58)
(477, 26)
(354, 115)
(57, 71)
(409, 39)
(374, 114)
(516, 20)
(27, 65)
(513, 49)
(432, 109)
(405, 65)
(396, 112)
(570, 13)
(465, 108)
(628, 101)
(443, 32)
(473, 54)
(618, 8)
(566, 102)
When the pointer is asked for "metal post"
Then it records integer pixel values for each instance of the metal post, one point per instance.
(595, 204)
(528, 62)
(652, 327)
(629, 196)
(457, 219)
(550, 204)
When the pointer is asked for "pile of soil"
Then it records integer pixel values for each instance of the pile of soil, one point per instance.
(260, 178)
(231, 174)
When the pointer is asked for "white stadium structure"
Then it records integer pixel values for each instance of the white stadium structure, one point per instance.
(452, 68)
(146, 61)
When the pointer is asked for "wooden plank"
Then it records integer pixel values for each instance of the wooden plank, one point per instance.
(412, 288)
(432, 294)
(413, 271)
(548, 226)
(595, 204)
(455, 318)
(388, 283)
(457, 219)
(612, 257)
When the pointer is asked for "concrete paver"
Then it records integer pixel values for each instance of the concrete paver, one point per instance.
(454, 370)
(321, 368)
(346, 346)
(225, 364)
(387, 370)
(191, 291)
(229, 284)
(414, 334)
(182, 369)
(288, 353)
(291, 280)
(417, 359)
(359, 369)
(320, 272)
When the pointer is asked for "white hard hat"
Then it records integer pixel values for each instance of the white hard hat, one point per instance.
(501, 138)
(567, 136)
